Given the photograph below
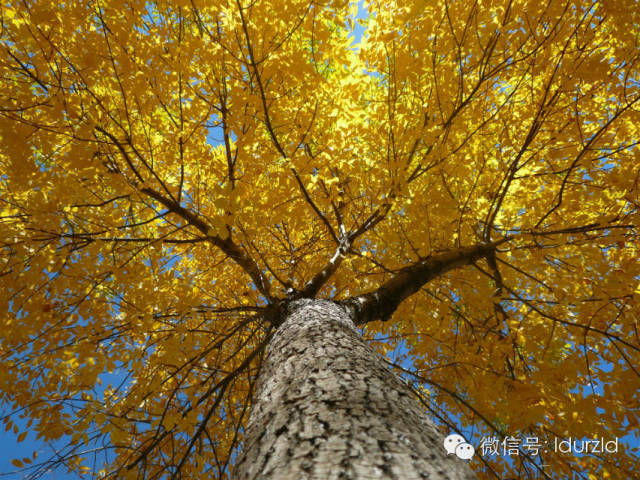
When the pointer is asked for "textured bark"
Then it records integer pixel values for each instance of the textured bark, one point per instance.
(327, 407)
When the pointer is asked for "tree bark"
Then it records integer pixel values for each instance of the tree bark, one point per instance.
(327, 407)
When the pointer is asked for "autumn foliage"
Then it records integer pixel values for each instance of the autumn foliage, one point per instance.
(172, 171)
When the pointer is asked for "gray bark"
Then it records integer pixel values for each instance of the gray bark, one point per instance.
(327, 407)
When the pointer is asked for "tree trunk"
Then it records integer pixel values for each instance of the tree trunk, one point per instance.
(326, 407)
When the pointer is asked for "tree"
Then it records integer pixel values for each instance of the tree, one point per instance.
(178, 179)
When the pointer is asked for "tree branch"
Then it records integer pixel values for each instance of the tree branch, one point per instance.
(226, 245)
(381, 303)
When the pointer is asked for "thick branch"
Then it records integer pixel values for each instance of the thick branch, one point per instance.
(345, 244)
(226, 245)
(315, 284)
(381, 303)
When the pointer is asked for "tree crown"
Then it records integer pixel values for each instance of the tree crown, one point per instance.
(464, 180)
